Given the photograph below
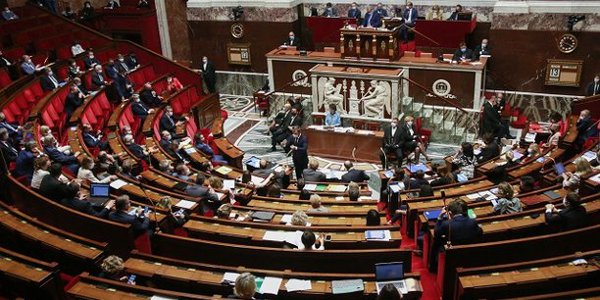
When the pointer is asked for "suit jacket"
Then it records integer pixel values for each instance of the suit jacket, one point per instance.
(47, 84)
(330, 12)
(53, 189)
(391, 142)
(405, 136)
(122, 66)
(355, 175)
(354, 13)
(202, 192)
(453, 16)
(209, 71)
(583, 129)
(593, 89)
(490, 151)
(11, 128)
(28, 68)
(293, 43)
(131, 61)
(111, 71)
(60, 157)
(72, 103)
(98, 80)
(373, 19)
(139, 109)
(490, 119)
(24, 164)
(90, 63)
(459, 54)
(84, 207)
(569, 218)
(461, 229)
(140, 225)
(301, 154)
(313, 175)
(91, 140)
(167, 123)
(150, 98)
(137, 150)
(263, 173)
(479, 51)
(10, 153)
(410, 19)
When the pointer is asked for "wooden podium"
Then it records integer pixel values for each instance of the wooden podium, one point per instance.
(372, 43)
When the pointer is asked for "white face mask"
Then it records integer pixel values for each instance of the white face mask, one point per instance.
(483, 45)
(394, 124)
(409, 124)
(596, 79)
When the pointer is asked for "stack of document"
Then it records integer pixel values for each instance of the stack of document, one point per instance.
(229, 278)
(117, 184)
(310, 187)
(589, 156)
(347, 286)
(340, 188)
(294, 285)
(378, 235)
(185, 204)
(486, 195)
(270, 285)
(223, 170)
(530, 137)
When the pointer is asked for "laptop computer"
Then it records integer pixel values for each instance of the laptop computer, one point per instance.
(99, 193)
(559, 168)
(390, 273)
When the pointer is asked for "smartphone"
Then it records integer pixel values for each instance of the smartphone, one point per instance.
(146, 209)
(328, 238)
(131, 279)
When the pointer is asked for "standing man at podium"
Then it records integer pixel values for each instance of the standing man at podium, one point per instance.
(373, 18)
(410, 20)
(354, 12)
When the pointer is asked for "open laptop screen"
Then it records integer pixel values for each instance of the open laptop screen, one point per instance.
(99, 190)
(389, 271)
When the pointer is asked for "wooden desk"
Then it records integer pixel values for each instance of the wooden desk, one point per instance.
(232, 153)
(27, 276)
(367, 146)
(367, 42)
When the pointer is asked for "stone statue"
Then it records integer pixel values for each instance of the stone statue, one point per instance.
(376, 97)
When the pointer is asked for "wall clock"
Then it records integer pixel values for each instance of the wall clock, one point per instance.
(567, 43)
(237, 30)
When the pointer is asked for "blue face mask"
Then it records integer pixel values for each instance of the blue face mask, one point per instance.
(463, 49)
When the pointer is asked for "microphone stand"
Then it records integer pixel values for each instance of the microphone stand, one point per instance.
(151, 202)
(384, 158)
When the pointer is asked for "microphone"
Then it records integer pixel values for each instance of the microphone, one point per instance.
(142, 179)
(384, 158)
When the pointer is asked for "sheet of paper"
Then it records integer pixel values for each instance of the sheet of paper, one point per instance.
(339, 198)
(293, 285)
(190, 150)
(596, 178)
(230, 277)
(156, 297)
(310, 187)
(271, 285)
(517, 155)
(364, 198)
(589, 156)
(277, 236)
(185, 204)
(530, 137)
(117, 184)
(395, 188)
(473, 196)
(229, 184)
(294, 237)
(337, 188)
(257, 180)
(287, 218)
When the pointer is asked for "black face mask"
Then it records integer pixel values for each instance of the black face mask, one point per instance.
(294, 114)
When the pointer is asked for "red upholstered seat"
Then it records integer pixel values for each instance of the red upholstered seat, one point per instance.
(4, 79)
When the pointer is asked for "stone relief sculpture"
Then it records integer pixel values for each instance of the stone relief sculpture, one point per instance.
(376, 98)
(331, 94)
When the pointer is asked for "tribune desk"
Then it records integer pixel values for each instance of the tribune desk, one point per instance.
(337, 144)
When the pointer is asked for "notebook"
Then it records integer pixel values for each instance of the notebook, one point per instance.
(347, 286)
(374, 234)
(559, 168)
(390, 273)
(264, 216)
(99, 193)
(432, 214)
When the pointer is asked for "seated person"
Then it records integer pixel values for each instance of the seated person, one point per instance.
(582, 169)
(28, 67)
(112, 4)
(285, 129)
(573, 216)
(127, 169)
(329, 11)
(482, 49)
(206, 193)
(353, 174)
(45, 131)
(435, 13)
(132, 61)
(455, 13)
(88, 12)
(74, 99)
(200, 144)
(463, 54)
(25, 160)
(419, 180)
(292, 40)
(333, 117)
(594, 87)
(51, 186)
(73, 69)
(138, 151)
(507, 204)
(410, 17)
(86, 172)
(373, 218)
(91, 139)
(310, 242)
(123, 85)
(9, 152)
(490, 150)
(299, 218)
(391, 143)
(354, 12)
(411, 142)
(48, 80)
(353, 194)
(90, 61)
(315, 205)
(139, 220)
(173, 84)
(70, 161)
(75, 201)
(81, 86)
(585, 127)
(245, 286)
(169, 121)
(444, 176)
(99, 81)
(8, 14)
(139, 108)
(149, 96)
(311, 173)
(121, 65)
(276, 123)
(11, 128)
(111, 69)
(463, 162)
(454, 224)
(183, 172)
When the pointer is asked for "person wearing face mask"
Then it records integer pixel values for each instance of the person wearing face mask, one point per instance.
(463, 54)
(86, 172)
(92, 140)
(482, 49)
(373, 18)
(49, 82)
(330, 11)
(354, 12)
(292, 40)
(28, 67)
(298, 146)
(455, 13)
(585, 127)
(333, 117)
(410, 140)
(593, 88)
(573, 215)
(391, 143)
(169, 121)
(74, 100)
(121, 65)
(491, 120)
(208, 74)
(98, 79)
(140, 109)
(410, 16)
(292, 120)
(90, 61)
(149, 96)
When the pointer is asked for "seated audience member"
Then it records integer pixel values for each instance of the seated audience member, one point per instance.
(90, 61)
(291, 40)
(28, 67)
(391, 143)
(73, 69)
(69, 161)
(311, 173)
(139, 108)
(86, 172)
(426, 190)
(81, 86)
(149, 96)
(173, 84)
(139, 220)
(51, 186)
(75, 201)
(507, 203)
(12, 128)
(463, 162)
(137, 150)
(41, 166)
(143, 4)
(435, 13)
(310, 242)
(526, 184)
(353, 194)
(585, 127)
(91, 139)
(304, 195)
(25, 160)
(87, 12)
(333, 117)
(75, 99)
(183, 172)
(299, 218)
(8, 14)
(419, 180)
(112, 4)
(113, 268)
(455, 13)
(373, 218)
(389, 292)
(48, 80)
(9, 153)
(444, 176)
(274, 191)
(169, 121)
(200, 190)
(111, 69)
(594, 87)
(481, 49)
(582, 169)
(573, 216)
(329, 11)
(224, 211)
(127, 169)
(99, 80)
(166, 166)
(353, 174)
(554, 136)
(245, 286)
(69, 14)
(279, 118)
(132, 61)
(463, 54)
(316, 206)
(200, 144)
(454, 219)
(285, 130)
(76, 48)
(490, 150)
(354, 11)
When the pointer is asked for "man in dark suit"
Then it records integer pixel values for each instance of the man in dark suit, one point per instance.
(573, 216)
(298, 144)
(74, 200)
(25, 159)
(70, 161)
(593, 88)
(285, 129)
(92, 140)
(208, 196)
(12, 128)
(292, 40)
(409, 138)
(391, 143)
(329, 11)
(491, 148)
(353, 174)
(410, 16)
(80, 85)
(74, 100)
(490, 120)
(9, 153)
(48, 81)
(169, 121)
(149, 96)
(458, 228)
(208, 74)
(312, 174)
(463, 54)
(139, 220)
(585, 127)
(454, 15)
(137, 150)
(372, 19)
(482, 49)
(90, 61)
(98, 79)
(262, 170)
(139, 108)
(51, 187)
(111, 70)
(132, 61)
(354, 12)
(121, 65)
